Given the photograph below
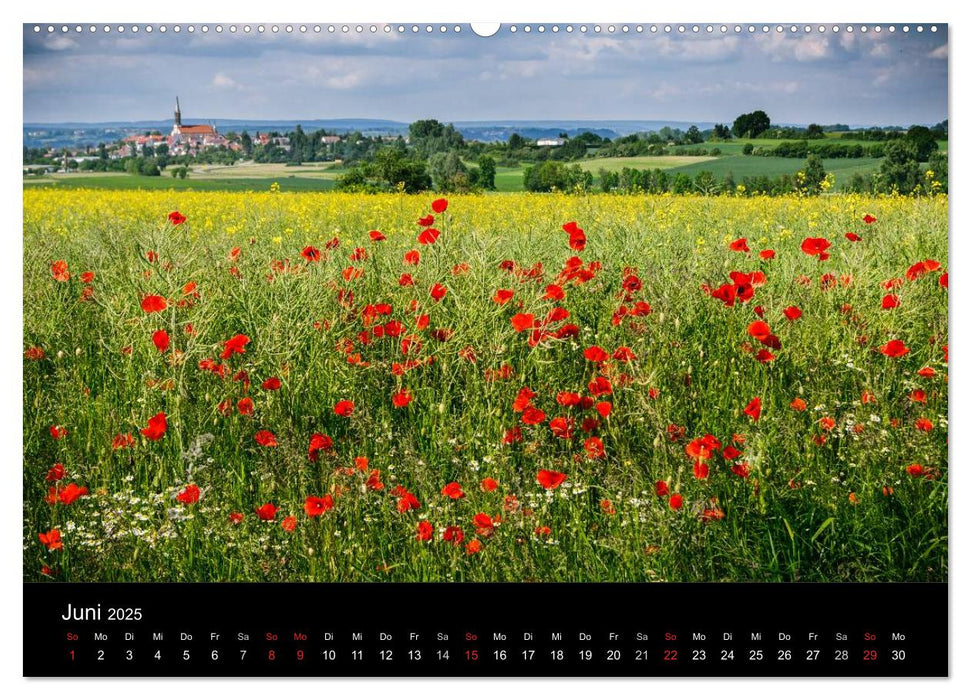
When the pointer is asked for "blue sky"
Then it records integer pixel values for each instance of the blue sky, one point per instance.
(856, 78)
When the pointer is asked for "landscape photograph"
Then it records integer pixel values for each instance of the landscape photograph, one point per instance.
(567, 303)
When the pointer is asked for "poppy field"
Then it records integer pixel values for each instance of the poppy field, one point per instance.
(335, 387)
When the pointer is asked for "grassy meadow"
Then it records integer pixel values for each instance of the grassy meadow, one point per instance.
(286, 386)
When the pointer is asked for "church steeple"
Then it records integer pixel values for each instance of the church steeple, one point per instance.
(178, 113)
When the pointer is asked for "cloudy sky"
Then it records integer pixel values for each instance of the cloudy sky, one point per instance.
(855, 78)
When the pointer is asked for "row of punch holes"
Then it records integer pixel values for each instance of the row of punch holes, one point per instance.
(481, 30)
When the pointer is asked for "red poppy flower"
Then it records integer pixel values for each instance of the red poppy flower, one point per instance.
(926, 372)
(600, 386)
(792, 312)
(916, 470)
(344, 408)
(439, 206)
(245, 406)
(453, 534)
(70, 493)
(798, 405)
(594, 448)
(488, 484)
(661, 488)
(401, 398)
(315, 506)
(267, 511)
(739, 246)
(549, 480)
(55, 473)
(512, 435)
(453, 490)
(377, 236)
(924, 424)
(120, 441)
(235, 345)
(271, 383)
(60, 272)
(265, 438)
(484, 524)
(754, 409)
(562, 427)
(157, 425)
(503, 296)
(522, 322)
(190, 494)
(289, 523)
(412, 257)
(895, 348)
(767, 254)
(176, 218)
(310, 254)
(920, 269)
(890, 301)
(852, 237)
(429, 236)
(51, 539)
(675, 502)
(438, 291)
(700, 470)
(533, 416)
(942, 280)
(153, 304)
(764, 356)
(578, 240)
(816, 247)
(596, 354)
(424, 531)
(759, 330)
(318, 443)
(426, 221)
(554, 292)
(868, 219)
(161, 340)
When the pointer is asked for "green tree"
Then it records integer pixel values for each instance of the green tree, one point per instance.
(751, 125)
(814, 131)
(487, 172)
(923, 140)
(937, 164)
(900, 169)
(814, 174)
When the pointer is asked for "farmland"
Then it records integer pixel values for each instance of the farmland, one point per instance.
(287, 386)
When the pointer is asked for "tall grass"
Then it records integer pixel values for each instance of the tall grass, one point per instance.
(792, 519)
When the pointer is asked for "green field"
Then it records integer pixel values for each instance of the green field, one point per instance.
(248, 176)
(748, 166)
(264, 391)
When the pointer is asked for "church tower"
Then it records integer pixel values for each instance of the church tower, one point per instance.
(177, 127)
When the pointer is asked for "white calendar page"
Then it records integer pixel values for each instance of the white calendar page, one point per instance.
(530, 302)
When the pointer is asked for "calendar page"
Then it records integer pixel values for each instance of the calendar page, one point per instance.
(519, 349)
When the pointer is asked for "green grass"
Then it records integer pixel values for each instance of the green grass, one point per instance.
(200, 184)
(840, 510)
(750, 166)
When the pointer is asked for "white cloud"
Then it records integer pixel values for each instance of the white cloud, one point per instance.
(940, 52)
(60, 43)
(221, 81)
